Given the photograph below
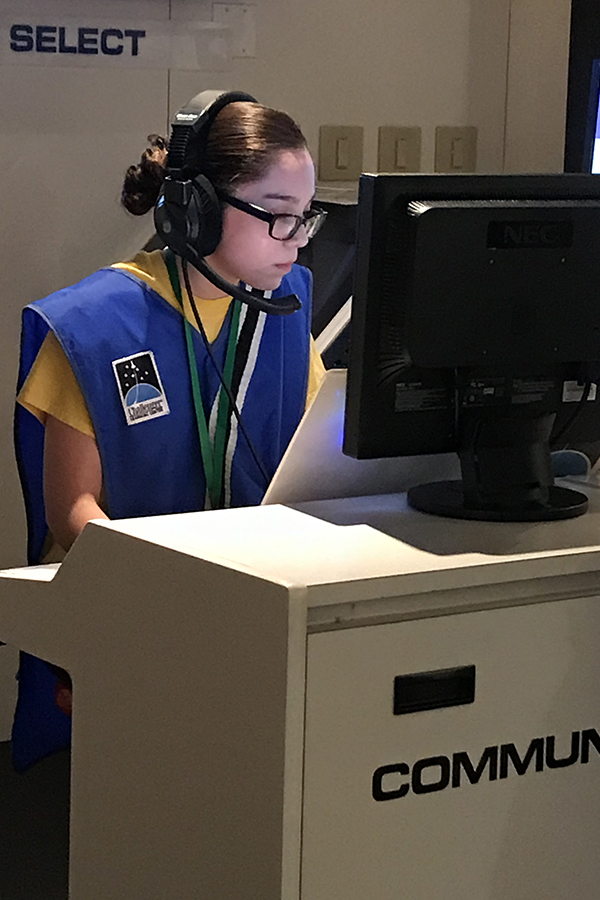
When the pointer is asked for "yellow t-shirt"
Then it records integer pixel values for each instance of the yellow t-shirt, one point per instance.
(51, 388)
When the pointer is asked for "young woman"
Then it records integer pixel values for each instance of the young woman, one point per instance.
(121, 408)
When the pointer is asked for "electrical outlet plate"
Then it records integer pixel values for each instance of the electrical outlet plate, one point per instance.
(455, 148)
(340, 152)
(398, 149)
(241, 18)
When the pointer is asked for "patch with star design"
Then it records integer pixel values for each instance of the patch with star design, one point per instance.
(140, 388)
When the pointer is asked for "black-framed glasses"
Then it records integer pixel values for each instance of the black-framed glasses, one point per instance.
(282, 226)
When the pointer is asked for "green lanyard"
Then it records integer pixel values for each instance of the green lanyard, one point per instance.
(213, 455)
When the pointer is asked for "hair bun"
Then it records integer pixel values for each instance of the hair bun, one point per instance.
(142, 183)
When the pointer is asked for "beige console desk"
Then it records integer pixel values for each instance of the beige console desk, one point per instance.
(236, 674)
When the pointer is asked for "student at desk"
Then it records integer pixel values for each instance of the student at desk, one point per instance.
(122, 411)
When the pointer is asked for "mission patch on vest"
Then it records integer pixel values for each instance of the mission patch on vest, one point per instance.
(140, 388)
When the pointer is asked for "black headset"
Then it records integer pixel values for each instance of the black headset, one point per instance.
(188, 214)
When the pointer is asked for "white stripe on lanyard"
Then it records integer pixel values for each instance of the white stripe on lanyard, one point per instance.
(240, 399)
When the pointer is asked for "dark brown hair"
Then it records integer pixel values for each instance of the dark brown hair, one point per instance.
(242, 143)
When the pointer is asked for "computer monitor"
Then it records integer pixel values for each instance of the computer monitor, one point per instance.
(591, 150)
(476, 329)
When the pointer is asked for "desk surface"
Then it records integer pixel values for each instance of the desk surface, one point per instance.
(326, 546)
(364, 538)
(230, 595)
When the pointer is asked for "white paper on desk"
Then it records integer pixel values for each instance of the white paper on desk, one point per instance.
(315, 468)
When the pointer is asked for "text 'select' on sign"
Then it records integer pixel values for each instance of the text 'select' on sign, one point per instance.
(89, 41)
(56, 40)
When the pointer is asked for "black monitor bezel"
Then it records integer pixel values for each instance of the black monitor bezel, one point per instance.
(370, 428)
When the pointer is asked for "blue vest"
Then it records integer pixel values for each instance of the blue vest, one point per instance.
(126, 346)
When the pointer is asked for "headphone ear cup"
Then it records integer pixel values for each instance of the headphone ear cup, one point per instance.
(188, 217)
(168, 221)
(204, 217)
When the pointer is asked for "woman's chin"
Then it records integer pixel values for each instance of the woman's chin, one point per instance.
(267, 283)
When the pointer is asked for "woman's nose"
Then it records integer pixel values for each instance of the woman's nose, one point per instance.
(300, 239)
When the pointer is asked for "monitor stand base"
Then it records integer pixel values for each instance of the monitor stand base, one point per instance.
(446, 498)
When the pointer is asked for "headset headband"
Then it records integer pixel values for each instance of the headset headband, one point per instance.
(190, 128)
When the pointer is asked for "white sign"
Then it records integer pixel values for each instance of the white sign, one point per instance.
(68, 41)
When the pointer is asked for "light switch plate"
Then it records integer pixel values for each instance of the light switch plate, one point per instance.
(398, 149)
(340, 152)
(241, 18)
(455, 148)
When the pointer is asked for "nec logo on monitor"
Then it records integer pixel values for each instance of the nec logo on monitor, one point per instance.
(530, 235)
